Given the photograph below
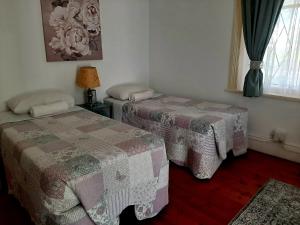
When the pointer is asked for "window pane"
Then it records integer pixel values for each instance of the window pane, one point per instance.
(282, 57)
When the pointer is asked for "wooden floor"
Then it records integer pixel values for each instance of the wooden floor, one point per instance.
(193, 201)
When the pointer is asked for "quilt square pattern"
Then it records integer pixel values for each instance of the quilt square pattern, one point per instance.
(79, 166)
(197, 133)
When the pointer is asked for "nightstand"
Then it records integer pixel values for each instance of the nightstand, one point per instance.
(104, 109)
(3, 185)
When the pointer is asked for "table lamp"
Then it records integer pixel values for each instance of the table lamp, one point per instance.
(87, 77)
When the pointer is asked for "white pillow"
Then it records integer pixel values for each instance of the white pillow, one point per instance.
(123, 91)
(142, 95)
(49, 109)
(22, 103)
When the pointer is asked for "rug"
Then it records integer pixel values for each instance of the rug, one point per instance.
(277, 203)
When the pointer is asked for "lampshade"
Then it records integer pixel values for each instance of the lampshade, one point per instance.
(87, 77)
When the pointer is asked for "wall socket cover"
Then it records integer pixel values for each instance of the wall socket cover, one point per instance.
(278, 135)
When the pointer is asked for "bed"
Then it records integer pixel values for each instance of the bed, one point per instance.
(198, 134)
(79, 168)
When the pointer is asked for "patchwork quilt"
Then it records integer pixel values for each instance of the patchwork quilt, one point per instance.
(79, 168)
(198, 134)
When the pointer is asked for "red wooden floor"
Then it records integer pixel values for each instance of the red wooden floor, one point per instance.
(197, 202)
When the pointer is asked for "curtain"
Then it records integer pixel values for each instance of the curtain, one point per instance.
(282, 58)
(235, 47)
(259, 19)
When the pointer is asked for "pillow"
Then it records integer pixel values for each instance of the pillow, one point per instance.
(138, 96)
(22, 103)
(49, 109)
(123, 91)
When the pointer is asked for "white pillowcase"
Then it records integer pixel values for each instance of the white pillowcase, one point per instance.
(22, 103)
(124, 91)
(49, 109)
(143, 95)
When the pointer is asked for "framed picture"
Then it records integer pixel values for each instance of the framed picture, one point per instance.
(72, 30)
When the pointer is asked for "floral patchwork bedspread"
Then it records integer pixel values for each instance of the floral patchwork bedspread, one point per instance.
(198, 134)
(82, 168)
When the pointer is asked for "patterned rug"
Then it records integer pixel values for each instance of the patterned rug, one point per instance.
(277, 203)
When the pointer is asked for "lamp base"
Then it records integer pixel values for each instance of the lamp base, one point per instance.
(90, 96)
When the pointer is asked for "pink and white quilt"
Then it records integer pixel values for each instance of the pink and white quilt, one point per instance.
(79, 168)
(198, 134)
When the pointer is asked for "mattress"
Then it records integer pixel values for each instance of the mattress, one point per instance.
(198, 133)
(81, 168)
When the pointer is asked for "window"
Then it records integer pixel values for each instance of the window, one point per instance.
(281, 64)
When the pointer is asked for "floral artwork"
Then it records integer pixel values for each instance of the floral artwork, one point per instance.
(72, 30)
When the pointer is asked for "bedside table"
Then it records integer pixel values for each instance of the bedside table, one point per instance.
(3, 184)
(104, 109)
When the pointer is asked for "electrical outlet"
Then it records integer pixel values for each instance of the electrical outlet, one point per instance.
(278, 135)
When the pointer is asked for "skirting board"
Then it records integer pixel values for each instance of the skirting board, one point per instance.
(285, 151)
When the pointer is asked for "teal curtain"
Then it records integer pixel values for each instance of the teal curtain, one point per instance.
(259, 19)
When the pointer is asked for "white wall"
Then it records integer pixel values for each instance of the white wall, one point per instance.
(23, 66)
(10, 77)
(189, 56)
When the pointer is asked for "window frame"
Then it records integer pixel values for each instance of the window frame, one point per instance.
(236, 50)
